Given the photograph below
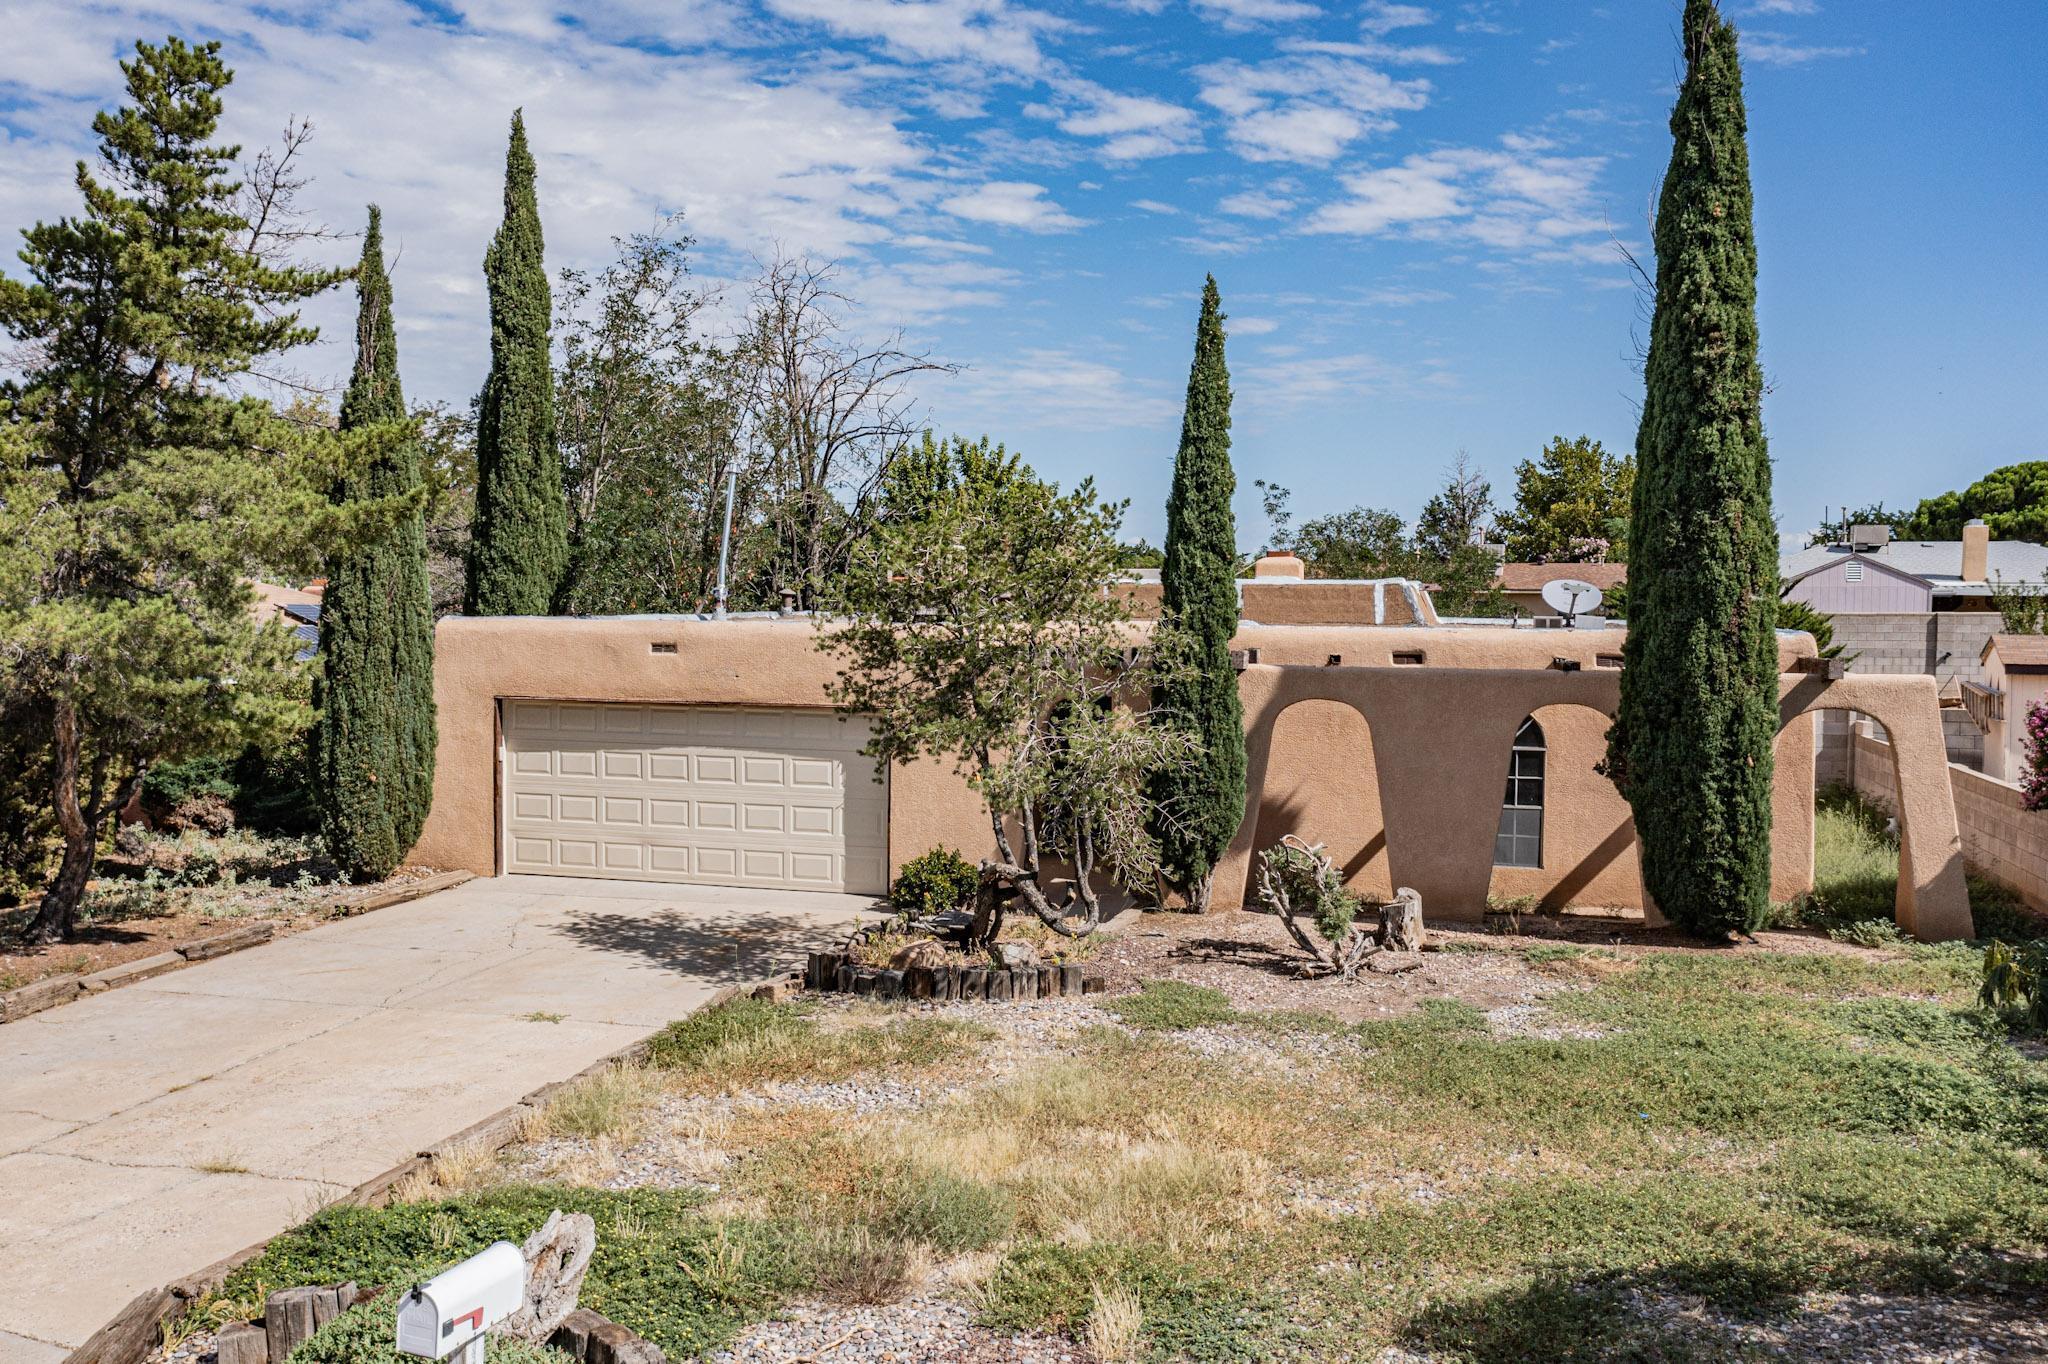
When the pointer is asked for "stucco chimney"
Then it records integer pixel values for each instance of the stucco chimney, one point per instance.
(1278, 563)
(1976, 552)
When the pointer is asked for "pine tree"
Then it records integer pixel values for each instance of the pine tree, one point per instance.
(1691, 747)
(139, 491)
(1197, 817)
(374, 751)
(520, 549)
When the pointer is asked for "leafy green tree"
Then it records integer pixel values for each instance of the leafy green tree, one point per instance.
(374, 743)
(1798, 615)
(973, 627)
(649, 432)
(137, 490)
(2013, 501)
(1198, 617)
(1691, 747)
(1364, 542)
(1466, 584)
(1571, 505)
(519, 548)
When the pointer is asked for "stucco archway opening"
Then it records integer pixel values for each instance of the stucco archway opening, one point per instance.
(1322, 784)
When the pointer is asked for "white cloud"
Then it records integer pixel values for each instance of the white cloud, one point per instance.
(1068, 389)
(1239, 15)
(1783, 7)
(1288, 381)
(1012, 203)
(1254, 203)
(411, 112)
(1382, 18)
(1305, 106)
(1778, 49)
(1540, 207)
(988, 32)
(1133, 127)
(1154, 206)
(1253, 326)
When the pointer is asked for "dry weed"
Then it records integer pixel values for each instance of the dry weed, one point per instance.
(1114, 1323)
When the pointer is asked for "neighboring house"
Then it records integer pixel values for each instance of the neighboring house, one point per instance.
(1280, 592)
(1912, 606)
(296, 607)
(686, 749)
(2015, 681)
(1522, 585)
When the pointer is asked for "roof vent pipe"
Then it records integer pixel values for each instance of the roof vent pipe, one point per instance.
(732, 478)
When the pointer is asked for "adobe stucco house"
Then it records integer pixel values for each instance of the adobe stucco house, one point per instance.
(1456, 759)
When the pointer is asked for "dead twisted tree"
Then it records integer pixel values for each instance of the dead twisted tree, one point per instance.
(1299, 881)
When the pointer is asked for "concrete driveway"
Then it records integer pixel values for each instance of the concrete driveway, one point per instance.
(151, 1130)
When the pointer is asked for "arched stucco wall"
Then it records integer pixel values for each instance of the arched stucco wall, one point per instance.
(1589, 833)
(1325, 787)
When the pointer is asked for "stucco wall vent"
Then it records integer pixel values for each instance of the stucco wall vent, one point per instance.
(662, 646)
(1608, 660)
(1411, 657)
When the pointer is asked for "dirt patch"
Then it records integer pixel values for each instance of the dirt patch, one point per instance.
(105, 942)
(1249, 957)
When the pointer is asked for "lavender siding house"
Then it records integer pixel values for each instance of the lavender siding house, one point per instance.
(1912, 606)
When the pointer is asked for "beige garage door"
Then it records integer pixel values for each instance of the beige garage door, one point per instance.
(698, 794)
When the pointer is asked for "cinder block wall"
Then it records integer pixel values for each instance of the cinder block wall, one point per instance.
(2000, 839)
(1941, 644)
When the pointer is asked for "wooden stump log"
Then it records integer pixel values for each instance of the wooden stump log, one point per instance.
(557, 1256)
(1401, 923)
(1070, 980)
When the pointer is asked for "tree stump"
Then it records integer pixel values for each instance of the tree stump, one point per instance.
(241, 1342)
(1401, 922)
(556, 1258)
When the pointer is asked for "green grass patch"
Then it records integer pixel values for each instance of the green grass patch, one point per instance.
(1187, 1315)
(752, 1042)
(1172, 1005)
(368, 1335)
(682, 1280)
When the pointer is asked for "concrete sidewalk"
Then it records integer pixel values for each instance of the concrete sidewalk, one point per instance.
(151, 1130)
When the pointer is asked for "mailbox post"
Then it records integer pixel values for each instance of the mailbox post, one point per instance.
(445, 1318)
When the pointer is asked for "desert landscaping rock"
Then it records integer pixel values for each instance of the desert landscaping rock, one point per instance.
(922, 1330)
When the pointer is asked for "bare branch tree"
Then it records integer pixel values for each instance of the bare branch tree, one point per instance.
(827, 412)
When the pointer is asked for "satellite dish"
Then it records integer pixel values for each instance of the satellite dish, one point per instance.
(1570, 597)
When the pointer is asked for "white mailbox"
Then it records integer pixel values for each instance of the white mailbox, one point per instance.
(451, 1311)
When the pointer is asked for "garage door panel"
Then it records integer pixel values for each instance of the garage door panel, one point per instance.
(712, 796)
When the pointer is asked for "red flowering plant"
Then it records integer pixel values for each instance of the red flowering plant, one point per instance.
(2034, 779)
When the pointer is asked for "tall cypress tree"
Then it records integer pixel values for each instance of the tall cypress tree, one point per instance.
(519, 550)
(374, 745)
(1200, 814)
(1691, 747)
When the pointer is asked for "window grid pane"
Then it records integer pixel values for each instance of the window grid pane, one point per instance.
(1519, 839)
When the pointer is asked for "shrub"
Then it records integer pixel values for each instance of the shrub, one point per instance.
(266, 789)
(172, 785)
(2017, 979)
(934, 883)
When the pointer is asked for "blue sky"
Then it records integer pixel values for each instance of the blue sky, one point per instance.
(1411, 209)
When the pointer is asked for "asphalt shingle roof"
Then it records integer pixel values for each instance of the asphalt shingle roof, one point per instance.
(1936, 562)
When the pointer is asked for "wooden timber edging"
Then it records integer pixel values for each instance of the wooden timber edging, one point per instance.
(48, 994)
(133, 1333)
(838, 972)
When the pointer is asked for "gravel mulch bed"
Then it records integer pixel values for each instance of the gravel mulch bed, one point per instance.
(923, 1328)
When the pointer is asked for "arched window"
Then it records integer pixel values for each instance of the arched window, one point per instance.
(1520, 840)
